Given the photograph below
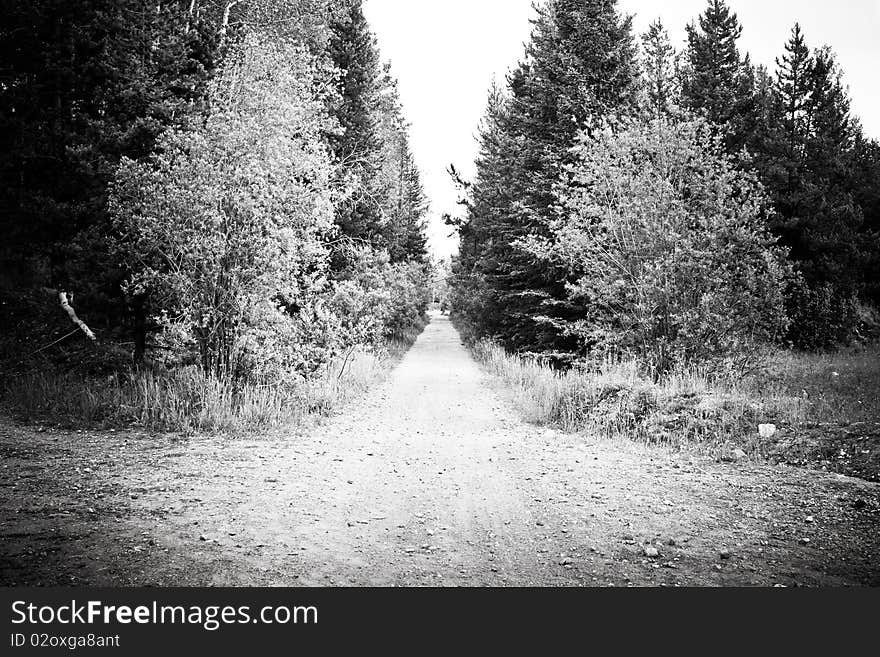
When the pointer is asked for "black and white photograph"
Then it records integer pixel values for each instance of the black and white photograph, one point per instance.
(500, 294)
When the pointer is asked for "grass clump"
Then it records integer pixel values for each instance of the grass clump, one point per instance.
(689, 406)
(187, 400)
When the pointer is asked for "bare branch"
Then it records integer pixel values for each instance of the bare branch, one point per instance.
(62, 297)
(225, 25)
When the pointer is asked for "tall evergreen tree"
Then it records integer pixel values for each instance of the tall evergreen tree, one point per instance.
(834, 248)
(404, 203)
(579, 70)
(353, 49)
(385, 205)
(716, 78)
(479, 276)
(406, 236)
(786, 175)
(84, 85)
(659, 70)
(793, 84)
(806, 153)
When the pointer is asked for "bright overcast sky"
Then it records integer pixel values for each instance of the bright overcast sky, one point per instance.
(445, 54)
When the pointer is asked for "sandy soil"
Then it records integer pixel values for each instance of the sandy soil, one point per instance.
(430, 480)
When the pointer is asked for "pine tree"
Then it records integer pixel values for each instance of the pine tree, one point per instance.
(353, 50)
(386, 205)
(832, 130)
(579, 70)
(480, 281)
(806, 154)
(767, 144)
(793, 87)
(404, 203)
(715, 80)
(89, 84)
(793, 83)
(659, 69)
(406, 236)
(833, 250)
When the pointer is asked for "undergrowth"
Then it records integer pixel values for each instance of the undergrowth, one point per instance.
(186, 400)
(689, 407)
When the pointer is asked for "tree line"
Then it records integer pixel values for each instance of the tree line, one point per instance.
(679, 207)
(226, 181)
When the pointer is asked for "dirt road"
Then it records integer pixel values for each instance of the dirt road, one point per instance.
(430, 480)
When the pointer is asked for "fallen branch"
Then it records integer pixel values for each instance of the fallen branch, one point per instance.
(51, 344)
(62, 296)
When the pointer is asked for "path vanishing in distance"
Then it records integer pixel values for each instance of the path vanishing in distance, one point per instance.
(432, 479)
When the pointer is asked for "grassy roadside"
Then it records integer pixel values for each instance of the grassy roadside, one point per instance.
(825, 407)
(186, 400)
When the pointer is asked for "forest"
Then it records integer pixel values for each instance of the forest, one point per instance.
(676, 206)
(672, 241)
(230, 355)
(676, 245)
(219, 193)
(222, 197)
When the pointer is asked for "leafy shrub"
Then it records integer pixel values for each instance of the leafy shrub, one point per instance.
(226, 223)
(664, 243)
(868, 317)
(378, 301)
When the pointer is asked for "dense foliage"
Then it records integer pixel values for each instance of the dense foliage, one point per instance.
(665, 243)
(384, 205)
(809, 152)
(579, 68)
(796, 177)
(223, 227)
(198, 172)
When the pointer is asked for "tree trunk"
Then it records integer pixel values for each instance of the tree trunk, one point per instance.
(225, 25)
(140, 331)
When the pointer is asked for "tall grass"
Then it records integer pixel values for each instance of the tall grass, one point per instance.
(614, 399)
(841, 387)
(187, 400)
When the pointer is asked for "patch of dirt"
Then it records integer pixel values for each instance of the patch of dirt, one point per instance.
(852, 449)
(430, 480)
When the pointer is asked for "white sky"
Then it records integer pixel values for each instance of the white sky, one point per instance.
(445, 54)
